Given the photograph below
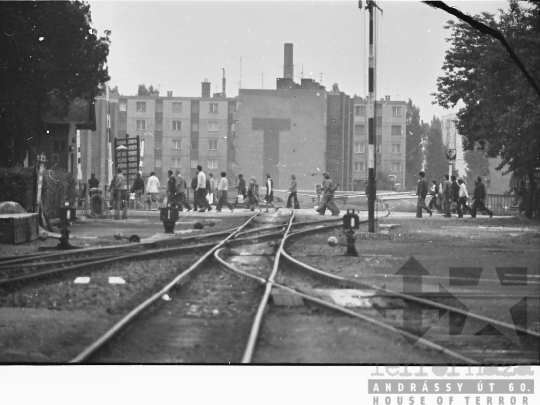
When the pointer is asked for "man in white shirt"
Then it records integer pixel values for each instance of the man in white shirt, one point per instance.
(222, 188)
(463, 197)
(152, 188)
(200, 191)
(269, 197)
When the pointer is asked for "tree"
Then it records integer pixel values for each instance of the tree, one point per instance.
(413, 150)
(143, 91)
(501, 113)
(50, 56)
(477, 165)
(436, 163)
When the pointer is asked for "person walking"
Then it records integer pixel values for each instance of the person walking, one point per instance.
(447, 195)
(194, 183)
(269, 197)
(462, 200)
(138, 189)
(421, 192)
(201, 191)
(171, 189)
(454, 191)
(181, 189)
(433, 193)
(117, 187)
(223, 187)
(479, 196)
(293, 190)
(152, 188)
(253, 194)
(328, 188)
(213, 189)
(241, 189)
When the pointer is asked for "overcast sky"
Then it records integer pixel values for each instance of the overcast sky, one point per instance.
(175, 45)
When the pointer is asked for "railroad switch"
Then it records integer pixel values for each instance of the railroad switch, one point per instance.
(351, 221)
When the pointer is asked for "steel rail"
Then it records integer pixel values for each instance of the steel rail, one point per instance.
(182, 278)
(408, 297)
(248, 353)
(338, 308)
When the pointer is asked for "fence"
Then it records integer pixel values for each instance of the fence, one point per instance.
(502, 204)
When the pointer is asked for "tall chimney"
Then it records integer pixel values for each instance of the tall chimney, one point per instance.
(288, 66)
(223, 82)
(205, 89)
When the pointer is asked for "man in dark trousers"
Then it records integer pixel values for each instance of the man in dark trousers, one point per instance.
(194, 187)
(138, 190)
(171, 189)
(421, 192)
(447, 195)
(454, 190)
(293, 195)
(241, 189)
(328, 188)
(181, 189)
(479, 196)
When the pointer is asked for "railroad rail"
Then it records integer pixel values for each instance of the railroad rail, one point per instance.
(441, 342)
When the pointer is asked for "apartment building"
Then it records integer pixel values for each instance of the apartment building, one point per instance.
(176, 133)
(390, 140)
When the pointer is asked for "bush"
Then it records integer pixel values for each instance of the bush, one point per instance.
(17, 184)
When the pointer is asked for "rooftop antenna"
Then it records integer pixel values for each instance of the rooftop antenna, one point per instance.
(321, 76)
(240, 58)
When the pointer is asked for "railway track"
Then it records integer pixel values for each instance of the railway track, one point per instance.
(295, 279)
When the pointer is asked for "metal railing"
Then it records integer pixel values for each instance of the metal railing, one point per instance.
(501, 204)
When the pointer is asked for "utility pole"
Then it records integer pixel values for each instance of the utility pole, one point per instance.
(240, 58)
(372, 95)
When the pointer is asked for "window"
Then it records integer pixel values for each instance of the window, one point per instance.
(213, 126)
(359, 167)
(359, 147)
(232, 127)
(122, 106)
(396, 167)
(396, 148)
(177, 143)
(396, 111)
(359, 130)
(212, 163)
(232, 108)
(378, 110)
(176, 108)
(157, 162)
(141, 163)
(141, 106)
(378, 130)
(177, 125)
(212, 144)
(175, 162)
(195, 108)
(195, 126)
(194, 144)
(141, 124)
(159, 126)
(396, 130)
(194, 163)
(378, 148)
(360, 110)
(214, 108)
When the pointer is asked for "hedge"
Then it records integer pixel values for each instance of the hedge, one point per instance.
(17, 184)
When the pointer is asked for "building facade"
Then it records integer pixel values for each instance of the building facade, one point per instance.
(390, 141)
(281, 132)
(176, 133)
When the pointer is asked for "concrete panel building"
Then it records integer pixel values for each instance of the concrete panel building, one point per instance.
(176, 133)
(390, 140)
(281, 132)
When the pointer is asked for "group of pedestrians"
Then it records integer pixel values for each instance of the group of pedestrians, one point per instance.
(205, 187)
(450, 190)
